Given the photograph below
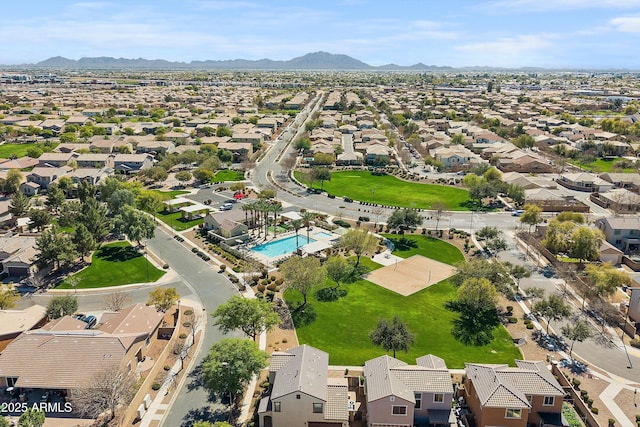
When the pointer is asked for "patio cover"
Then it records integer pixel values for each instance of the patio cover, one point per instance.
(313, 247)
(291, 215)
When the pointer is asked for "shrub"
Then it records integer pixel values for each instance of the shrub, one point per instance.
(182, 336)
(265, 282)
(589, 402)
(272, 287)
(509, 309)
(194, 250)
(166, 367)
(188, 312)
(265, 384)
(279, 281)
(530, 326)
(583, 393)
(576, 382)
(284, 340)
(259, 295)
(223, 267)
(638, 418)
(513, 320)
(612, 422)
(155, 386)
(166, 266)
(594, 410)
(272, 278)
(186, 324)
(341, 223)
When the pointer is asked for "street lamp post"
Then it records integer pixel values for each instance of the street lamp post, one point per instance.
(243, 255)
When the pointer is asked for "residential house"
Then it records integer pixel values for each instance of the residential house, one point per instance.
(620, 200)
(68, 356)
(227, 226)
(19, 163)
(44, 176)
(29, 188)
(241, 151)
(15, 322)
(524, 163)
(253, 138)
(630, 181)
(302, 394)
(376, 152)
(90, 175)
(609, 253)
(499, 395)
(405, 395)
(95, 160)
(54, 125)
(154, 147)
(16, 255)
(623, 232)
(56, 159)
(453, 158)
(132, 163)
(583, 181)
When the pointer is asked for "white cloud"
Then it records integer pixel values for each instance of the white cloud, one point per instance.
(626, 24)
(509, 45)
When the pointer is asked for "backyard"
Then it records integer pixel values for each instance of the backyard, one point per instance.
(602, 166)
(114, 264)
(389, 190)
(342, 327)
(20, 150)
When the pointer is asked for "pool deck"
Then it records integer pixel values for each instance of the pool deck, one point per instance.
(270, 261)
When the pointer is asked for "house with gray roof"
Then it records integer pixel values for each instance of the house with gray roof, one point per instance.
(622, 231)
(400, 394)
(302, 394)
(500, 395)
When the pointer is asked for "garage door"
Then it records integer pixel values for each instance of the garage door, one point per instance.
(18, 271)
(311, 424)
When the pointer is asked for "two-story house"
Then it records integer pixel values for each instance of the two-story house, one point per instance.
(499, 395)
(399, 394)
(132, 163)
(623, 232)
(302, 394)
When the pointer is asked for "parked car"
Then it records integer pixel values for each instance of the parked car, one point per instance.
(91, 321)
(518, 212)
(226, 207)
(79, 316)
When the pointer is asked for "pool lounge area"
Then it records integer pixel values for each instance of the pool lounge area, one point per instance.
(285, 245)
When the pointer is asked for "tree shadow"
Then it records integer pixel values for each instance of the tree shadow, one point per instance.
(303, 316)
(330, 294)
(403, 244)
(204, 414)
(118, 253)
(195, 378)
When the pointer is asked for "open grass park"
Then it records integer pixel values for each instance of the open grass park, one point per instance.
(115, 264)
(342, 327)
(389, 190)
(601, 166)
(175, 220)
(229, 175)
(20, 150)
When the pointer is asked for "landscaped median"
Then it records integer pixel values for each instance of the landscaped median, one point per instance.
(113, 264)
(388, 190)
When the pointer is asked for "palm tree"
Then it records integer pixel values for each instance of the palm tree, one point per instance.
(263, 209)
(297, 224)
(246, 207)
(307, 217)
(276, 208)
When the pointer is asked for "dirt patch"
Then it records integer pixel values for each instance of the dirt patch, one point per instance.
(411, 275)
(629, 402)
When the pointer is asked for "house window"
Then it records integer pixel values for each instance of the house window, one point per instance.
(616, 232)
(276, 407)
(298, 396)
(529, 397)
(438, 397)
(317, 408)
(418, 397)
(513, 413)
(549, 400)
(398, 410)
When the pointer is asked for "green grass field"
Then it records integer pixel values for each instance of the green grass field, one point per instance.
(342, 327)
(20, 150)
(229, 175)
(426, 246)
(389, 190)
(175, 220)
(115, 264)
(601, 165)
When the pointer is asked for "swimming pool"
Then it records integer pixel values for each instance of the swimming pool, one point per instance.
(281, 247)
(323, 235)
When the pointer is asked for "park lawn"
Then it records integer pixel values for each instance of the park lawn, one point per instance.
(429, 247)
(389, 190)
(115, 264)
(20, 150)
(602, 165)
(342, 327)
(168, 195)
(175, 220)
(229, 175)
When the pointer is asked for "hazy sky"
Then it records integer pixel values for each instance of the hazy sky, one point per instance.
(508, 33)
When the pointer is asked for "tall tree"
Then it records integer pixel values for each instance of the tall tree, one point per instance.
(120, 199)
(307, 218)
(303, 274)
(438, 209)
(552, 308)
(94, 216)
(359, 241)
(476, 304)
(19, 205)
(55, 198)
(576, 331)
(321, 174)
(61, 306)
(392, 336)
(251, 316)
(275, 208)
(405, 219)
(106, 390)
(162, 299)
(12, 181)
(531, 216)
(605, 279)
(231, 364)
(39, 219)
(585, 243)
(54, 248)
(134, 224)
(86, 191)
(297, 225)
(149, 201)
(83, 240)
(338, 269)
(116, 301)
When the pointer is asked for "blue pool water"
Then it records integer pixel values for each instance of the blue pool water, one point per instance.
(323, 235)
(281, 247)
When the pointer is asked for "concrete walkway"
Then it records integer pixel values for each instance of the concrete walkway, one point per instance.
(608, 396)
